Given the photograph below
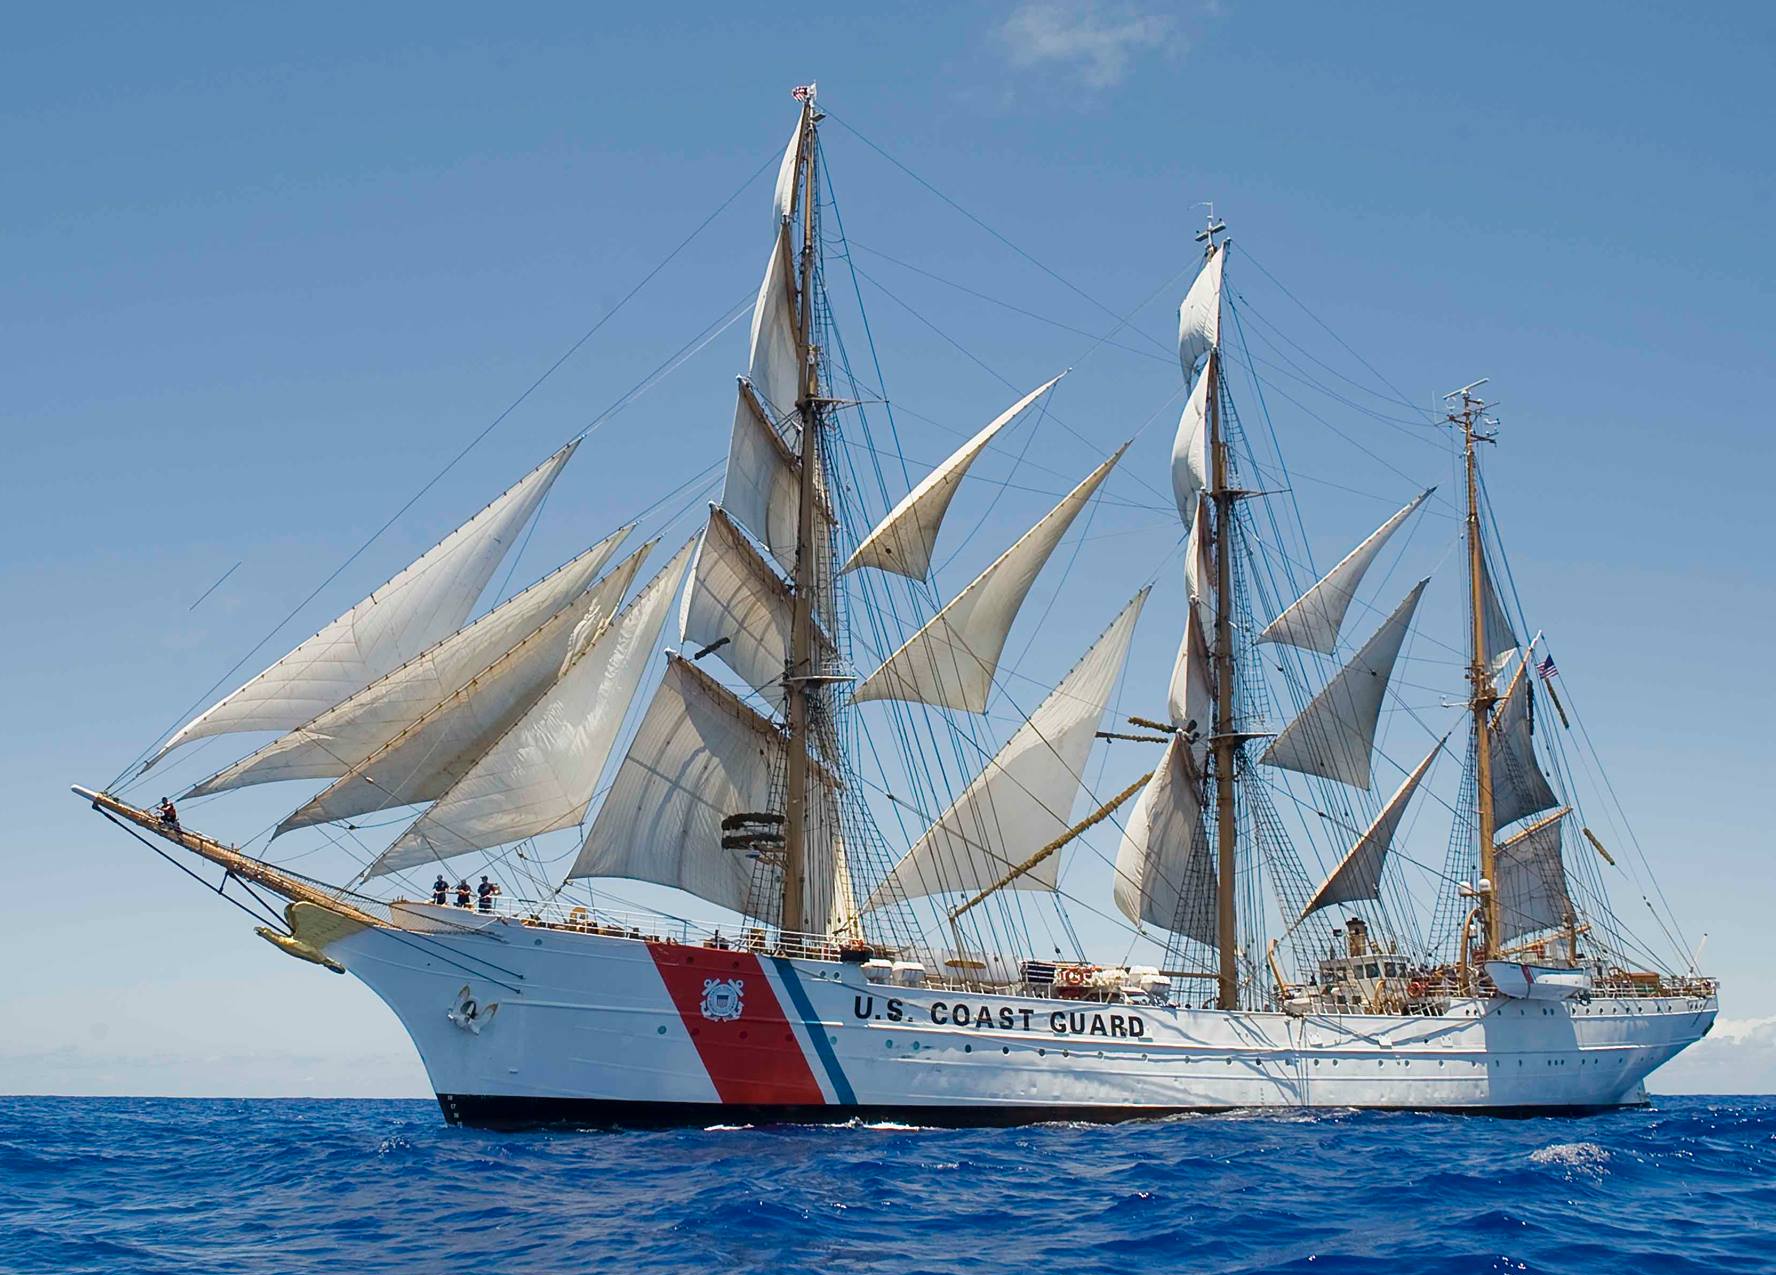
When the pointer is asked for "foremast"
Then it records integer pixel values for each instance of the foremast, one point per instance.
(801, 675)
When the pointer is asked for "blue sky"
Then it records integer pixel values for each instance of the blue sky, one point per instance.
(266, 271)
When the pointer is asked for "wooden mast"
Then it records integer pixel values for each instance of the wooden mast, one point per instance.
(1224, 743)
(793, 915)
(1482, 692)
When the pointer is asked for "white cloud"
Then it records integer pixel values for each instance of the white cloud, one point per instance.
(1738, 1056)
(1098, 43)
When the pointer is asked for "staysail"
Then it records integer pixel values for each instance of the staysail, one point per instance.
(540, 775)
(1023, 798)
(329, 745)
(1313, 621)
(1358, 874)
(951, 661)
(902, 542)
(1165, 869)
(1531, 879)
(429, 599)
(425, 759)
(1335, 734)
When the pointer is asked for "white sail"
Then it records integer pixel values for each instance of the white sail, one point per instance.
(1199, 567)
(1023, 798)
(429, 599)
(699, 756)
(1199, 316)
(1519, 788)
(775, 367)
(425, 759)
(783, 196)
(902, 542)
(541, 774)
(1190, 451)
(762, 490)
(738, 605)
(329, 745)
(1313, 621)
(951, 661)
(1501, 641)
(1165, 871)
(1191, 699)
(1531, 880)
(1335, 734)
(1358, 874)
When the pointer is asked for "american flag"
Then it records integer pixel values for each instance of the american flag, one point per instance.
(803, 92)
(1546, 669)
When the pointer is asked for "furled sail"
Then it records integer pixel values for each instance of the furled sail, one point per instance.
(1358, 874)
(1519, 788)
(1190, 451)
(902, 542)
(951, 661)
(424, 760)
(1199, 316)
(1313, 621)
(428, 600)
(540, 775)
(1165, 870)
(699, 756)
(1023, 798)
(741, 608)
(1335, 734)
(1531, 880)
(775, 367)
(1501, 641)
(1192, 696)
(329, 745)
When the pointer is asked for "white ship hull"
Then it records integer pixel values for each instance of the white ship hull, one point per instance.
(577, 1028)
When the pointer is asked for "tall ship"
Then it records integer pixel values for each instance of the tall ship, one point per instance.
(794, 721)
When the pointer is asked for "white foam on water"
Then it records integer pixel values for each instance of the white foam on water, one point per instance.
(1586, 1156)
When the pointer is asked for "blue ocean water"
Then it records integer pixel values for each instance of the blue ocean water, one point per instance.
(151, 1185)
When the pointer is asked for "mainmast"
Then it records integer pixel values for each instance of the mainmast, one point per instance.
(1483, 693)
(799, 681)
(1224, 743)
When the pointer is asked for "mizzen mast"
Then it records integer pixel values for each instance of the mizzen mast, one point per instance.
(1483, 692)
(801, 671)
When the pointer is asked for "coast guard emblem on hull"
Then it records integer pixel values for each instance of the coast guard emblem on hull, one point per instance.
(721, 999)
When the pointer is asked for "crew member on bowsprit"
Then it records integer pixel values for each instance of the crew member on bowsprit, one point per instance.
(485, 893)
(462, 893)
(440, 890)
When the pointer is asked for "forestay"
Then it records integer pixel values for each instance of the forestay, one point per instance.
(428, 600)
(1313, 621)
(331, 744)
(1023, 798)
(903, 541)
(421, 762)
(1358, 874)
(1531, 880)
(1334, 736)
(1165, 870)
(952, 660)
(540, 775)
(1519, 788)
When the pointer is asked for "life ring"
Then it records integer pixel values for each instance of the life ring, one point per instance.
(1071, 976)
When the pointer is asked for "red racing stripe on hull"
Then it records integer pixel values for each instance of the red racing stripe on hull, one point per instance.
(732, 1014)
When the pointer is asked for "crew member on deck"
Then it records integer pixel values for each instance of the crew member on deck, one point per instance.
(462, 893)
(485, 893)
(440, 890)
(168, 815)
